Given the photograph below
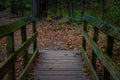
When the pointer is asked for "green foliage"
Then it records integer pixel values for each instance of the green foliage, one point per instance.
(92, 7)
(103, 36)
(76, 14)
(113, 14)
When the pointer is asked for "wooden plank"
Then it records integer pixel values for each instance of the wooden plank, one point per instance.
(110, 65)
(54, 77)
(35, 41)
(10, 28)
(58, 67)
(95, 39)
(59, 52)
(60, 72)
(59, 55)
(10, 50)
(89, 65)
(61, 77)
(104, 27)
(85, 29)
(15, 55)
(109, 49)
(63, 57)
(24, 38)
(25, 71)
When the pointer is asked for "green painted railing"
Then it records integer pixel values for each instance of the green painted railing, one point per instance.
(111, 69)
(8, 66)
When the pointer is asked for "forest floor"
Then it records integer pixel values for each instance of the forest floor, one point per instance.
(55, 36)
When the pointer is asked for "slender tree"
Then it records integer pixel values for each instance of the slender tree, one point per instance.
(44, 8)
(82, 2)
(13, 7)
(2, 5)
(68, 7)
(39, 8)
(103, 9)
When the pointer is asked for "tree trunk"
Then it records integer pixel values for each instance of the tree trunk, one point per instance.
(44, 8)
(21, 7)
(68, 7)
(103, 9)
(72, 8)
(61, 9)
(13, 7)
(35, 5)
(4, 6)
(39, 8)
(82, 8)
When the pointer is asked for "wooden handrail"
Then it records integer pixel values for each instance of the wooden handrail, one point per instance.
(105, 57)
(12, 27)
(8, 66)
(108, 29)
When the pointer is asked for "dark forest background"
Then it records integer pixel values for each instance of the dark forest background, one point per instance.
(107, 10)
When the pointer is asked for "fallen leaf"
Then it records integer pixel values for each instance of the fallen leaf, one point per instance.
(65, 54)
(85, 69)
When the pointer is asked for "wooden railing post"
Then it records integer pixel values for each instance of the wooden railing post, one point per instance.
(95, 39)
(8, 66)
(109, 49)
(84, 41)
(10, 49)
(35, 42)
(24, 38)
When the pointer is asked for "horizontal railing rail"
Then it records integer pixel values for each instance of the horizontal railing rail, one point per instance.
(108, 29)
(12, 27)
(110, 67)
(8, 66)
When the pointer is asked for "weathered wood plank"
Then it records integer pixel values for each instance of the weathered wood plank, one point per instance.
(58, 69)
(15, 55)
(24, 38)
(59, 52)
(35, 41)
(10, 50)
(85, 29)
(95, 39)
(78, 72)
(110, 65)
(63, 57)
(7, 29)
(109, 49)
(104, 27)
(62, 77)
(25, 71)
(89, 65)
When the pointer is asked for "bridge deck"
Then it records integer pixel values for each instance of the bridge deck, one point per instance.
(59, 65)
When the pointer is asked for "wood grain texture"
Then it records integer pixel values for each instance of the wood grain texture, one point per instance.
(28, 66)
(95, 39)
(10, 28)
(107, 62)
(15, 55)
(59, 65)
(24, 38)
(89, 65)
(10, 50)
(104, 27)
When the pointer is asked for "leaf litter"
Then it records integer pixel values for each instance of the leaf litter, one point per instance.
(60, 37)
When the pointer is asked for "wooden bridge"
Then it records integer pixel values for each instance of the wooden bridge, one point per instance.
(60, 65)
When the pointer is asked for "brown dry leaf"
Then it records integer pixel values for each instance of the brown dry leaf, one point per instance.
(50, 68)
(65, 54)
(85, 69)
